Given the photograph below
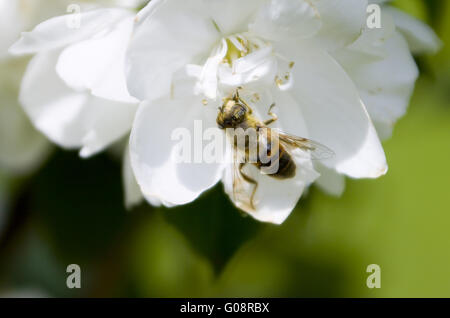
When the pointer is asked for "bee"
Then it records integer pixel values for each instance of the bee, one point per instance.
(274, 145)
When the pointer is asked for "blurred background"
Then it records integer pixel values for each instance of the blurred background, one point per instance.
(65, 210)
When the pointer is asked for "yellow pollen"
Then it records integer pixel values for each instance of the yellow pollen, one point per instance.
(278, 80)
(233, 52)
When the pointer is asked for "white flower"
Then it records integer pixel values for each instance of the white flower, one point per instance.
(381, 64)
(74, 88)
(280, 51)
(22, 148)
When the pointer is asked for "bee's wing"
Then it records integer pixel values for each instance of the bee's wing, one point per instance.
(242, 189)
(315, 149)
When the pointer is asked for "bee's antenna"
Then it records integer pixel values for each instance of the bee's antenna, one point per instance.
(237, 92)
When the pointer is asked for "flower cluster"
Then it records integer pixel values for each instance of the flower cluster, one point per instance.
(332, 78)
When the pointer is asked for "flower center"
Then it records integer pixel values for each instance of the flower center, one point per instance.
(241, 45)
(242, 59)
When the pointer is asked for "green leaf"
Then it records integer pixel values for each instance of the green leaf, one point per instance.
(80, 205)
(213, 226)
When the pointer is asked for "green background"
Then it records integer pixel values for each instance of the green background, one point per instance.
(71, 211)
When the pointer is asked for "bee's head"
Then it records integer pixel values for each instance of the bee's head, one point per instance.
(231, 114)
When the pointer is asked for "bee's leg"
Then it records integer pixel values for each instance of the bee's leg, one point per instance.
(250, 110)
(237, 97)
(249, 180)
(270, 113)
(237, 92)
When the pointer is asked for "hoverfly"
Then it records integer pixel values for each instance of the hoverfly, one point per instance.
(236, 113)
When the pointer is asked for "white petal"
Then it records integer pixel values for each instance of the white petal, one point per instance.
(185, 81)
(42, 94)
(55, 32)
(342, 22)
(208, 78)
(334, 114)
(22, 147)
(69, 118)
(98, 64)
(154, 150)
(168, 35)
(330, 181)
(371, 44)
(421, 38)
(384, 129)
(133, 194)
(284, 19)
(253, 70)
(231, 16)
(385, 85)
(22, 15)
(105, 122)
(171, 34)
